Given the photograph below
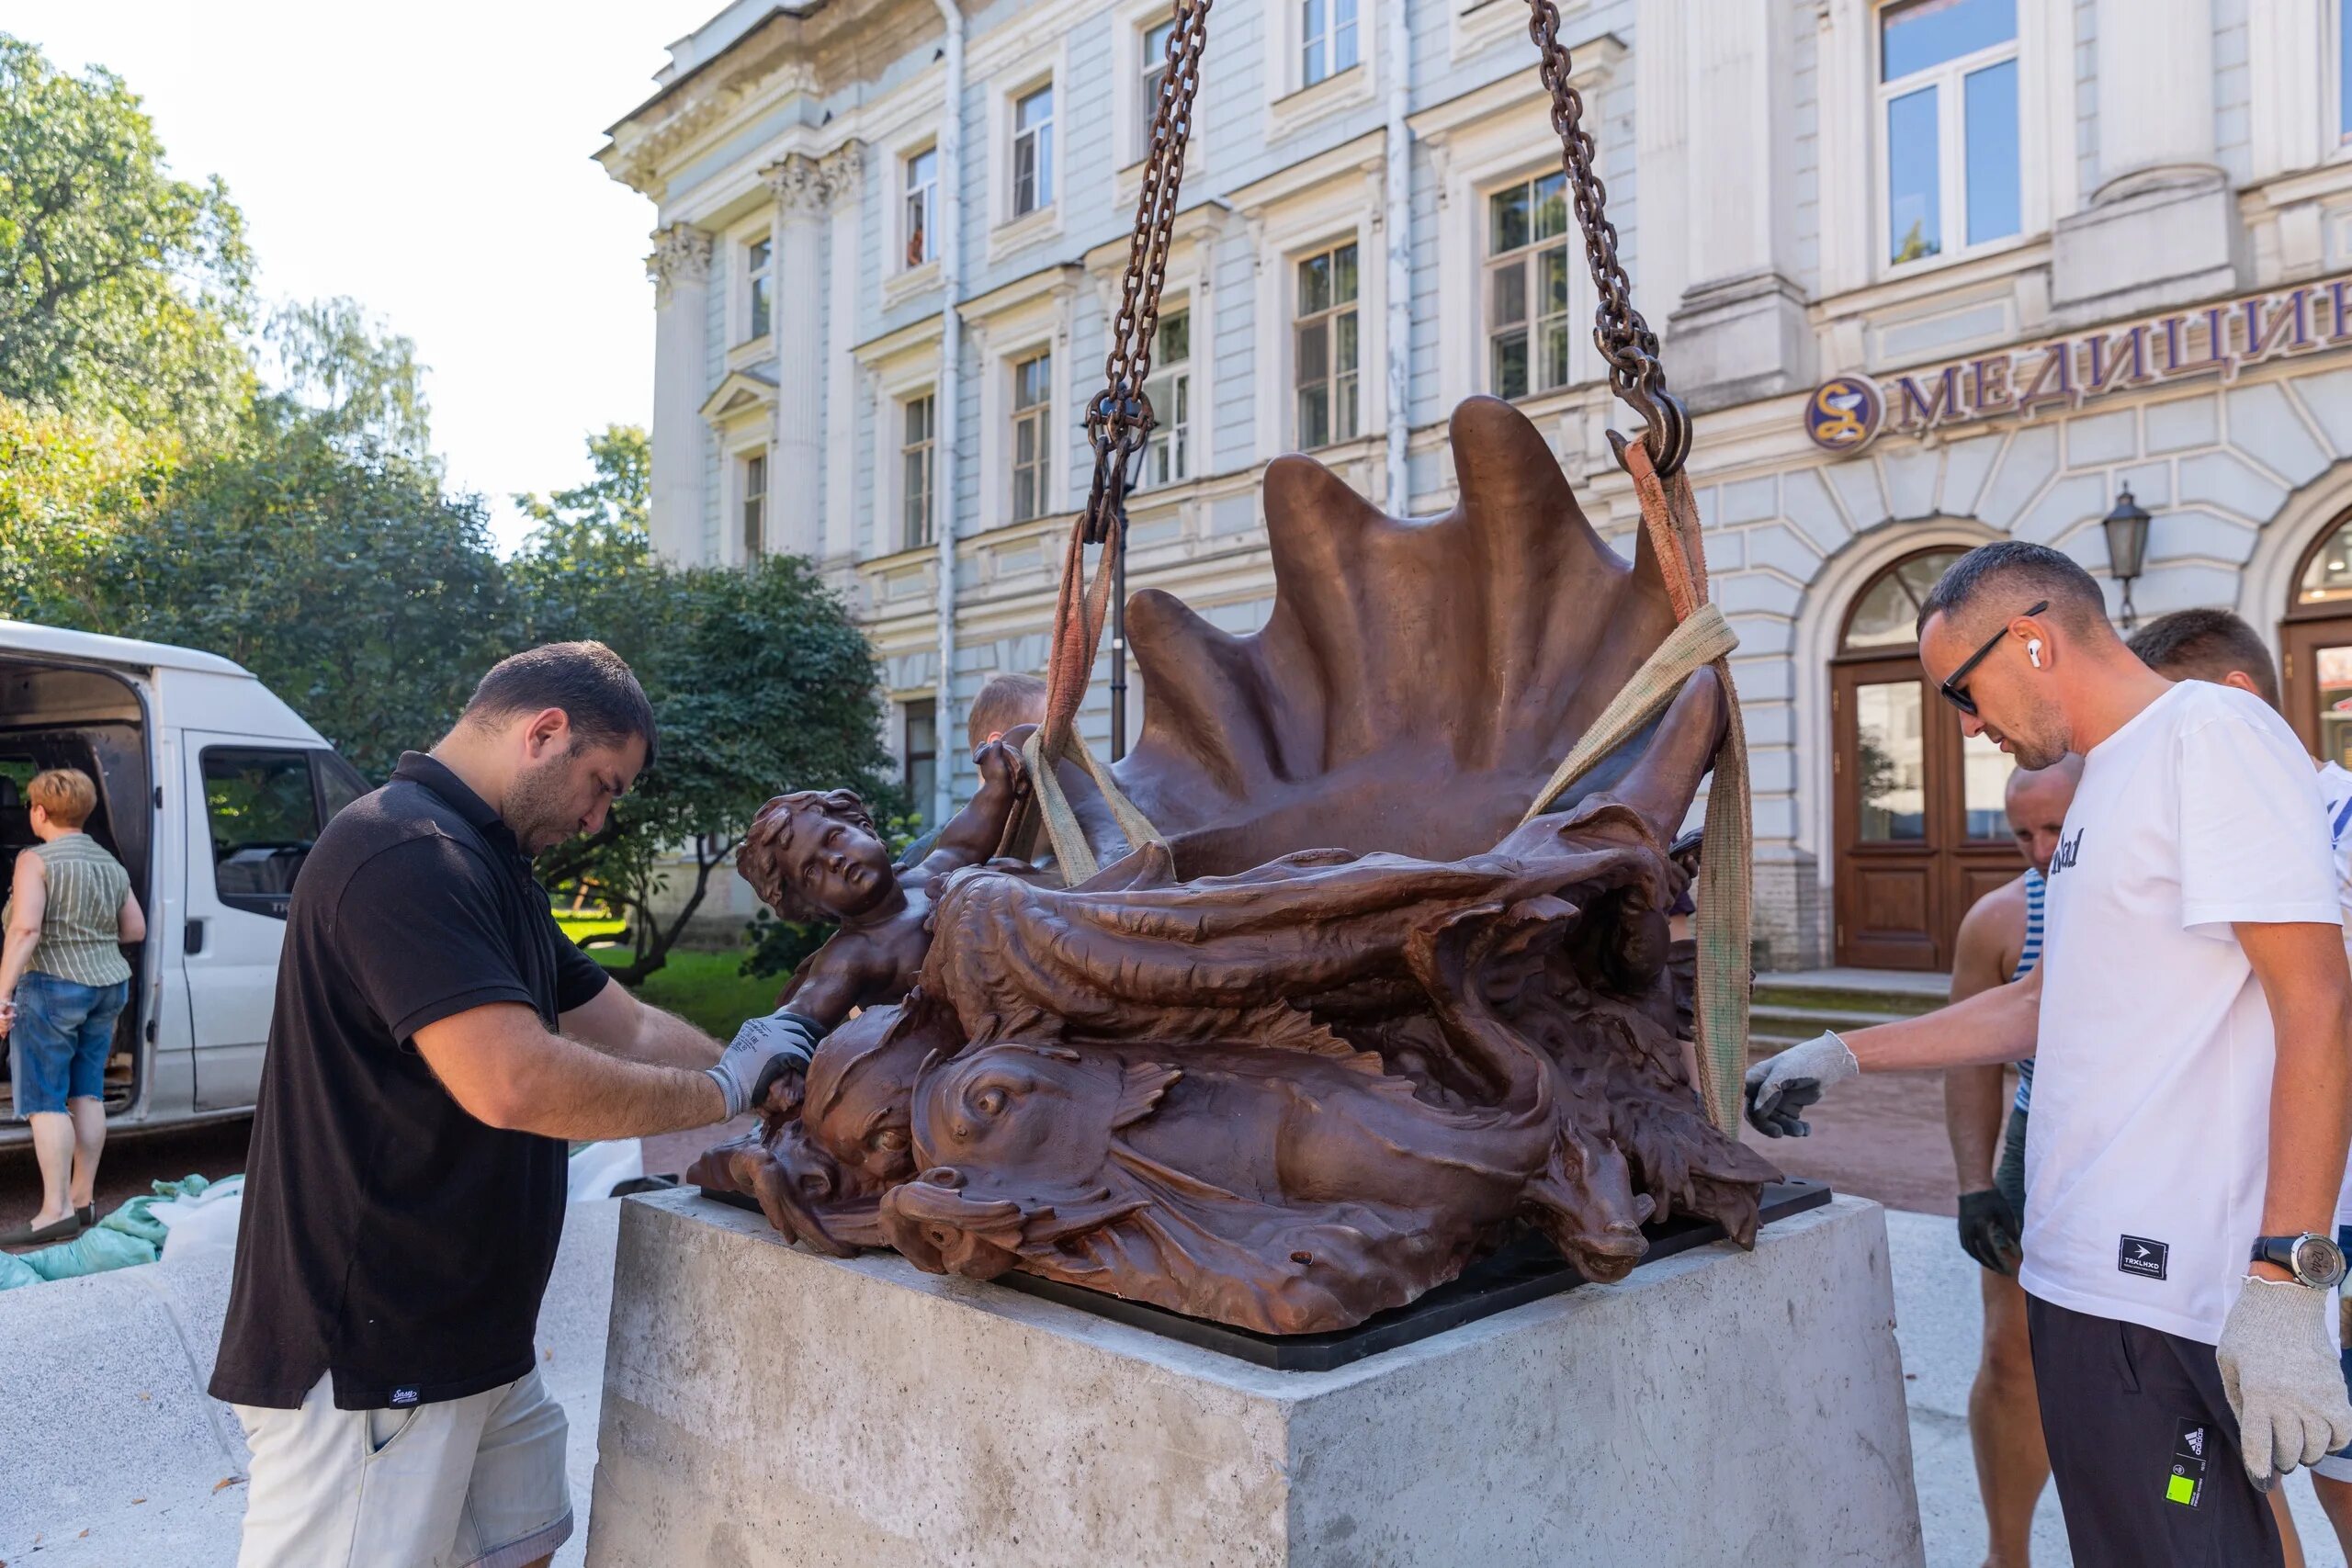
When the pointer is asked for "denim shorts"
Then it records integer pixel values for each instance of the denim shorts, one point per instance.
(60, 1041)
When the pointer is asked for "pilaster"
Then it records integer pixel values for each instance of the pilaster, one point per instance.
(679, 269)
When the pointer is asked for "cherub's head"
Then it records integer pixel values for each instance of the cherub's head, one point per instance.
(814, 855)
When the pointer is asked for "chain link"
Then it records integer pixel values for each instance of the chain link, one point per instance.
(1119, 423)
(1624, 339)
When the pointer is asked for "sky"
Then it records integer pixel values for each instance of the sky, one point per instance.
(433, 160)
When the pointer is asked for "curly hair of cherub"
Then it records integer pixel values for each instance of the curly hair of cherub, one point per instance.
(761, 860)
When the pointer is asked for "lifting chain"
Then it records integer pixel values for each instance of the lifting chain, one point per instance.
(1119, 423)
(1624, 339)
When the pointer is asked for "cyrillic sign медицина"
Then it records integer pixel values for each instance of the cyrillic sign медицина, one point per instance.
(1846, 413)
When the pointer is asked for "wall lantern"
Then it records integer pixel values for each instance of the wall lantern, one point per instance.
(2127, 546)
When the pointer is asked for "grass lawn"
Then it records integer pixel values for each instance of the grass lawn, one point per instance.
(704, 989)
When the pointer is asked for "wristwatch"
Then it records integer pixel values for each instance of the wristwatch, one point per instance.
(2311, 1258)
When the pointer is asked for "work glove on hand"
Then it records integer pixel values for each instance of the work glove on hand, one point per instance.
(1988, 1230)
(764, 1050)
(1779, 1087)
(2282, 1377)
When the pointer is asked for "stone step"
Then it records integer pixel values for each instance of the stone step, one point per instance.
(1769, 1022)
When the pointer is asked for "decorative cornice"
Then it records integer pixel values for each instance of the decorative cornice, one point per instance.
(802, 183)
(681, 254)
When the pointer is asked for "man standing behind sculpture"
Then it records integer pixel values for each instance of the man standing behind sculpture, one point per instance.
(2190, 1115)
(2000, 940)
(436, 1041)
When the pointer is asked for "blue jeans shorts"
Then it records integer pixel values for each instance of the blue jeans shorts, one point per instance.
(60, 1039)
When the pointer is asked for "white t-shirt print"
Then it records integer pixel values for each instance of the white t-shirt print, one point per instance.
(2149, 1148)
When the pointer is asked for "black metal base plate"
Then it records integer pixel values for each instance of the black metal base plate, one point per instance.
(1526, 1271)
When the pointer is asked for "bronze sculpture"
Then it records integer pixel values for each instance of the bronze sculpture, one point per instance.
(1355, 1022)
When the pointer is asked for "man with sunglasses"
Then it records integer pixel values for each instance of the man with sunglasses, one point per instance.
(2192, 1113)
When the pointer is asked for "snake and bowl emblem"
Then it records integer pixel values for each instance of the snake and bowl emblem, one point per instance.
(1844, 413)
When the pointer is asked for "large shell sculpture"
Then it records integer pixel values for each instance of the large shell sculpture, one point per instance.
(1356, 1024)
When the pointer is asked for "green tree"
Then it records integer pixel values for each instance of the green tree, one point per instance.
(123, 290)
(760, 682)
(345, 581)
(347, 371)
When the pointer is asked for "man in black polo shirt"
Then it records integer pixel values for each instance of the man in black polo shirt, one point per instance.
(437, 1040)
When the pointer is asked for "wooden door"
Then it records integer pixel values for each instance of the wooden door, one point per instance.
(1921, 834)
(2318, 667)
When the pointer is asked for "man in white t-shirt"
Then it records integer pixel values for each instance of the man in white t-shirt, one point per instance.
(2214, 645)
(2192, 1113)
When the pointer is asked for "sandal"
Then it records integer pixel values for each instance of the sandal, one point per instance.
(65, 1229)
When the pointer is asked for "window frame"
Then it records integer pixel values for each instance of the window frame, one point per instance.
(1152, 66)
(1038, 418)
(1948, 78)
(1526, 258)
(752, 462)
(908, 757)
(759, 287)
(1328, 39)
(1302, 320)
(1171, 429)
(909, 190)
(1040, 137)
(911, 537)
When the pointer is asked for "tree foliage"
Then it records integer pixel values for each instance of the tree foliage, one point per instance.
(349, 375)
(122, 289)
(347, 582)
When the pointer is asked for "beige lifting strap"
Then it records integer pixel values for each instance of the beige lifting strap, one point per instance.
(1726, 895)
(1079, 616)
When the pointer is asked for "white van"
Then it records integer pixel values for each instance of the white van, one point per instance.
(211, 791)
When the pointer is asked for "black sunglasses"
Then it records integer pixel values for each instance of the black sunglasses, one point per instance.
(1954, 692)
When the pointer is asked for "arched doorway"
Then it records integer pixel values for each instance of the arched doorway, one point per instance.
(1919, 828)
(2316, 642)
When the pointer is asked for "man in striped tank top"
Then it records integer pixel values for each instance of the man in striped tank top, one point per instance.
(2000, 940)
(63, 984)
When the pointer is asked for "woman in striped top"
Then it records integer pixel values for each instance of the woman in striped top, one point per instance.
(63, 984)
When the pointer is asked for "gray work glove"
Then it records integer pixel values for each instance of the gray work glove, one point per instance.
(2282, 1377)
(763, 1051)
(1779, 1087)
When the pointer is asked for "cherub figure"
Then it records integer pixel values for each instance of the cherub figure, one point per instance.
(815, 855)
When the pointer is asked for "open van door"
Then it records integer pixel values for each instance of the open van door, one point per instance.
(255, 810)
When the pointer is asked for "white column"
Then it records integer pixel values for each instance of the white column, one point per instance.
(2156, 87)
(802, 194)
(2287, 86)
(1740, 331)
(844, 172)
(679, 268)
(2161, 222)
(1662, 149)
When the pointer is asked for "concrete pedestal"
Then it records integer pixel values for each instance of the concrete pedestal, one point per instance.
(766, 1406)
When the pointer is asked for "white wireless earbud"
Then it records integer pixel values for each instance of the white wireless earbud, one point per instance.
(2033, 652)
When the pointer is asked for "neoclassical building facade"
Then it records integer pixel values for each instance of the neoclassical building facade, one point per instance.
(1930, 272)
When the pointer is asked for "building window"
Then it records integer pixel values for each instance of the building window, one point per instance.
(1170, 394)
(1947, 85)
(920, 773)
(1032, 434)
(914, 470)
(1155, 70)
(1327, 38)
(1527, 286)
(755, 507)
(1324, 347)
(758, 269)
(1033, 152)
(922, 201)
(2343, 72)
